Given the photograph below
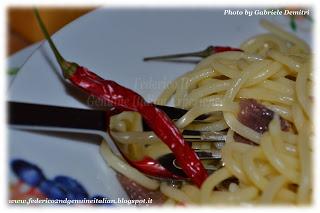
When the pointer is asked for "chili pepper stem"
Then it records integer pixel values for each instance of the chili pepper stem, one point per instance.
(67, 67)
(202, 54)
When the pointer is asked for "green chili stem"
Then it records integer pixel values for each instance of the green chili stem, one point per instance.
(202, 54)
(68, 68)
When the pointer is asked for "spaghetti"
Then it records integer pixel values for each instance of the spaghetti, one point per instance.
(274, 74)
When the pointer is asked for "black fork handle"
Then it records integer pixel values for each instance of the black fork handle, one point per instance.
(38, 115)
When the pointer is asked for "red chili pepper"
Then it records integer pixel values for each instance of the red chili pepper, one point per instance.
(152, 167)
(219, 49)
(202, 54)
(126, 99)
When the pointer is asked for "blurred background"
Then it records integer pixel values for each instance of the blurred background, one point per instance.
(24, 31)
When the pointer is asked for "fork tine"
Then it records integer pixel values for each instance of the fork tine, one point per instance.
(168, 161)
(208, 136)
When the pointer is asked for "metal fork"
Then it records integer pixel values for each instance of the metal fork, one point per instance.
(29, 116)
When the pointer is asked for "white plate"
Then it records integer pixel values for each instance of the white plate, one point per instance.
(112, 43)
